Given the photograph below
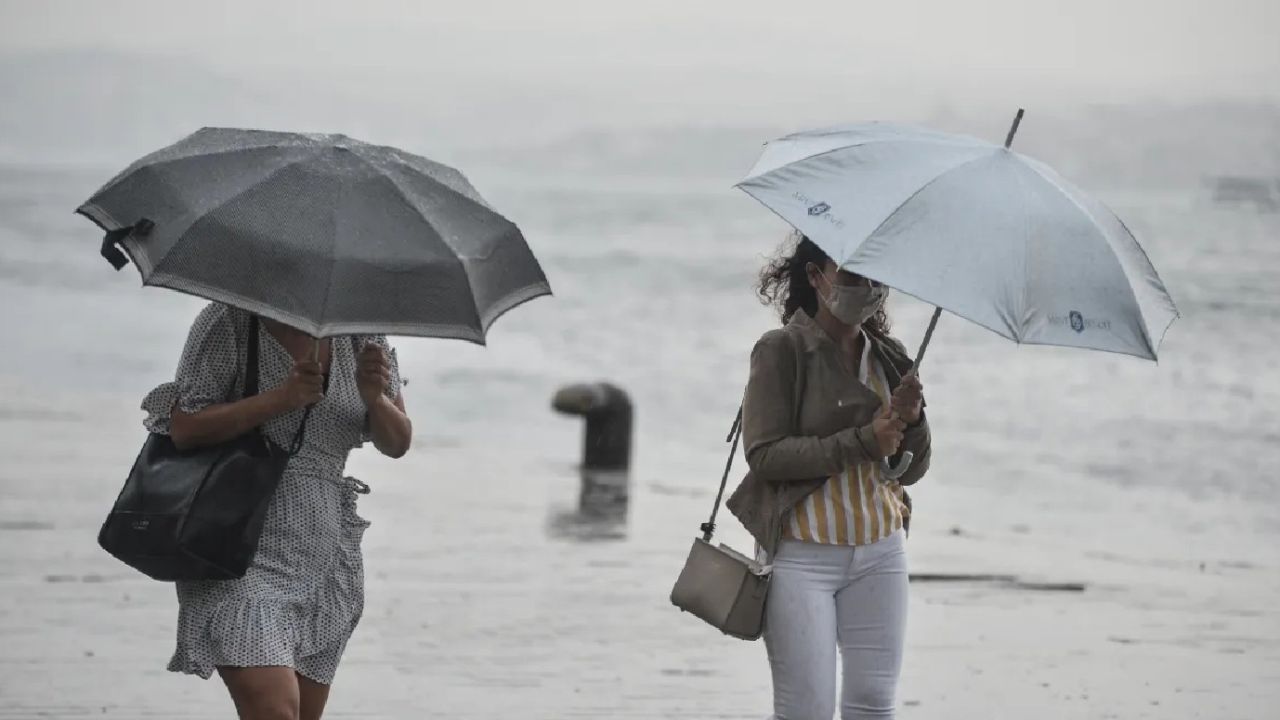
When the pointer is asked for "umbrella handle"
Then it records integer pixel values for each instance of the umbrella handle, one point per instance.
(893, 472)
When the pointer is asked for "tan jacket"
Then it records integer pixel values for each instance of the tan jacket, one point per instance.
(805, 417)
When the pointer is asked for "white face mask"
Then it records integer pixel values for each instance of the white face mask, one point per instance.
(853, 304)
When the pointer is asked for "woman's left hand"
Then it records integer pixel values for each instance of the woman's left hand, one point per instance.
(908, 399)
(373, 373)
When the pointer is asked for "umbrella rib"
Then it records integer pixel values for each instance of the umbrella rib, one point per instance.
(457, 258)
(1021, 343)
(98, 214)
(1172, 305)
(513, 300)
(200, 156)
(962, 316)
(1146, 330)
(397, 159)
(333, 263)
(850, 146)
(147, 161)
(460, 196)
(1026, 261)
(917, 192)
(219, 295)
(221, 204)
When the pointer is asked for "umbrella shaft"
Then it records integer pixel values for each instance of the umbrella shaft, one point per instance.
(928, 335)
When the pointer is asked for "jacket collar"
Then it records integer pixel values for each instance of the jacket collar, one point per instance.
(891, 355)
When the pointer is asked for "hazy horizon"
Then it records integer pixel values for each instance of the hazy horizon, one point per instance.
(1188, 49)
(104, 87)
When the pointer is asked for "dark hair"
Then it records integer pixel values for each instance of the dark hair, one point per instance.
(784, 283)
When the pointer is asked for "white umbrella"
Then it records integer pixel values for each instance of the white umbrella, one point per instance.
(975, 228)
(972, 227)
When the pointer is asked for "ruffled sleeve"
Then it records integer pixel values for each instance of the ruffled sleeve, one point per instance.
(207, 372)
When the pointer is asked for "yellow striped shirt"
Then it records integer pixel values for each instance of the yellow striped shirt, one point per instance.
(854, 507)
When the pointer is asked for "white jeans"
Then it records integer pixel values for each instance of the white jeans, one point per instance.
(822, 596)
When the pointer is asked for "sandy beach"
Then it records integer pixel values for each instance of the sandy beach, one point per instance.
(486, 597)
(488, 616)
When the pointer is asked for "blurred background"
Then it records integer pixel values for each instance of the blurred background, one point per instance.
(612, 133)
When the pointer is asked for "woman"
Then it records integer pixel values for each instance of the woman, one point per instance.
(830, 395)
(276, 635)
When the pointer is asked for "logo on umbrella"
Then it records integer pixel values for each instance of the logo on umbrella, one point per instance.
(1078, 322)
(819, 209)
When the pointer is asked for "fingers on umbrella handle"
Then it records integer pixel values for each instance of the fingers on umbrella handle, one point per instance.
(893, 472)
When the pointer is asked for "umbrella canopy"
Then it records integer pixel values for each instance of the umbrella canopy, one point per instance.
(972, 227)
(327, 234)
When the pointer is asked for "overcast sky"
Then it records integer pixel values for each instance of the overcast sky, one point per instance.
(1169, 48)
(90, 78)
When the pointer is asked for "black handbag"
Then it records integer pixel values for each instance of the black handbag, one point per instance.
(197, 514)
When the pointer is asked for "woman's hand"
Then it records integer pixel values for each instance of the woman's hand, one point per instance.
(888, 429)
(389, 425)
(908, 399)
(373, 374)
(304, 386)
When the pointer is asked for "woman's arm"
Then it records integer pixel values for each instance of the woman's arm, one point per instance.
(389, 424)
(224, 421)
(773, 452)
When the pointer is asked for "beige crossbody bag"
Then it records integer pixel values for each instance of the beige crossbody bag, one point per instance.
(719, 584)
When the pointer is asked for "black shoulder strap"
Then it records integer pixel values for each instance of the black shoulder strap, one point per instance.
(735, 432)
(251, 362)
(251, 384)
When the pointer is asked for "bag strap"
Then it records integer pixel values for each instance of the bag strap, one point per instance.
(735, 433)
(251, 384)
(251, 359)
(296, 445)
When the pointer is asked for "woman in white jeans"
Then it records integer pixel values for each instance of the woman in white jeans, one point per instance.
(830, 396)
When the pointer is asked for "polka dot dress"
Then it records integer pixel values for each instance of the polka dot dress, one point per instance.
(303, 595)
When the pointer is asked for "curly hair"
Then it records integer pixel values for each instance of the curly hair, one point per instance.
(784, 283)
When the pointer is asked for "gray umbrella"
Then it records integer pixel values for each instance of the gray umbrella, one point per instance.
(327, 234)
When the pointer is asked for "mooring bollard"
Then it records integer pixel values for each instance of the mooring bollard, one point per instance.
(607, 411)
(606, 456)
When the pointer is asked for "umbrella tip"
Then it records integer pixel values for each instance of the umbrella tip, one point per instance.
(1013, 130)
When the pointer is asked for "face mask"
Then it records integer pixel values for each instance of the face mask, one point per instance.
(854, 304)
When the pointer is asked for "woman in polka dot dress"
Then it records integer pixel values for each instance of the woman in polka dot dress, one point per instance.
(276, 635)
